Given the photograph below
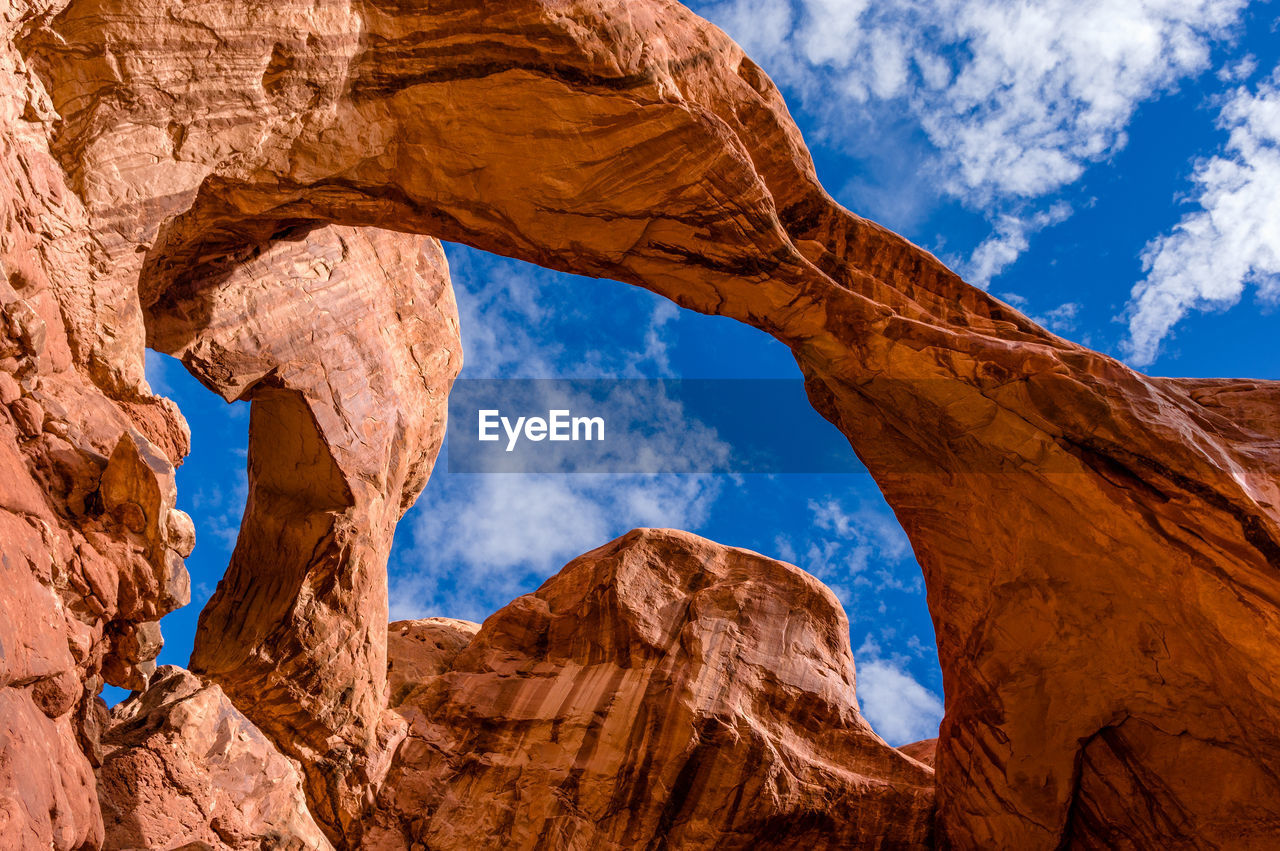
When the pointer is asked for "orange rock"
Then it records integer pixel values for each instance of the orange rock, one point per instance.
(10, 392)
(28, 415)
(47, 796)
(660, 690)
(924, 751)
(1101, 548)
(345, 424)
(184, 769)
(421, 649)
(80, 598)
(80, 589)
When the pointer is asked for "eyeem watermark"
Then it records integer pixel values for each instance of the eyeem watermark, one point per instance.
(684, 426)
(559, 425)
(641, 426)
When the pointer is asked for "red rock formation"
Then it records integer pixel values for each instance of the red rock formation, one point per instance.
(660, 689)
(90, 546)
(422, 649)
(345, 424)
(184, 769)
(1100, 547)
(925, 751)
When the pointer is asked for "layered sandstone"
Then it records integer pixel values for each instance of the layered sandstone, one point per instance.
(1100, 547)
(345, 423)
(660, 691)
(183, 768)
(422, 649)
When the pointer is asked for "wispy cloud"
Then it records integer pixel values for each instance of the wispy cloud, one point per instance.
(1238, 70)
(859, 552)
(518, 322)
(1005, 102)
(1007, 242)
(474, 542)
(479, 541)
(1017, 98)
(1231, 242)
(218, 509)
(1061, 319)
(899, 707)
(156, 372)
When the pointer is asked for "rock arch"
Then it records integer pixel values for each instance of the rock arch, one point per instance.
(1100, 547)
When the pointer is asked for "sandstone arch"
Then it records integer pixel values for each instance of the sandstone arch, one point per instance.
(345, 423)
(1051, 490)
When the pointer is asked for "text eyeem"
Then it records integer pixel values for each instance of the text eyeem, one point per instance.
(558, 425)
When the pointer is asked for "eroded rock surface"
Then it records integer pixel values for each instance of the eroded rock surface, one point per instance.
(925, 751)
(184, 769)
(345, 424)
(660, 691)
(422, 649)
(89, 553)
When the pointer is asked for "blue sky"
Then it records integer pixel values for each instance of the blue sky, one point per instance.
(1112, 167)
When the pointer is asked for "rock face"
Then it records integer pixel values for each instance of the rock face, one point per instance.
(419, 650)
(925, 751)
(345, 423)
(1100, 547)
(184, 769)
(661, 689)
(90, 544)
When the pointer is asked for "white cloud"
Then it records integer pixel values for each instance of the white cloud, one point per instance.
(480, 541)
(514, 319)
(1013, 99)
(900, 709)
(1239, 70)
(201, 593)
(1061, 318)
(655, 344)
(873, 527)
(865, 554)
(1016, 97)
(784, 549)
(500, 309)
(648, 430)
(218, 512)
(477, 541)
(1231, 242)
(1011, 237)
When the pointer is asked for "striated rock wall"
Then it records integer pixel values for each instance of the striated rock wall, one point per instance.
(635, 700)
(660, 691)
(91, 547)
